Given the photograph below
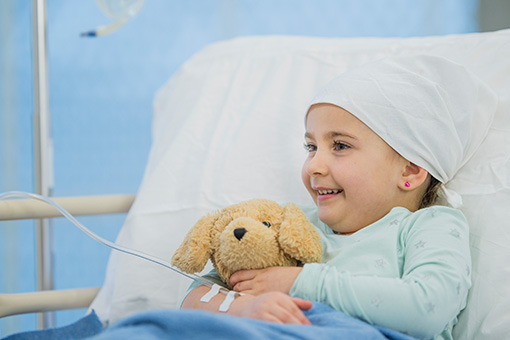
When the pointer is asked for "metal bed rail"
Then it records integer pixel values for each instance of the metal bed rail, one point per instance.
(78, 206)
(54, 300)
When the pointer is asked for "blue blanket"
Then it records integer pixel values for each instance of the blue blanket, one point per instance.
(192, 324)
(83, 328)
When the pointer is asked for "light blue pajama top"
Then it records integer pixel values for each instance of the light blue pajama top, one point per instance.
(407, 271)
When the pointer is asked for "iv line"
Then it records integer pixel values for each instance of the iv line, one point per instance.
(104, 241)
(120, 11)
(104, 30)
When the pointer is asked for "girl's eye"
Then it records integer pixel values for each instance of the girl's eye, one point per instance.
(310, 147)
(267, 224)
(339, 146)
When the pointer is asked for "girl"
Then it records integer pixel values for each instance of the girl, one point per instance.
(381, 140)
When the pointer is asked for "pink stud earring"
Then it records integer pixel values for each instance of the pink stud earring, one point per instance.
(407, 184)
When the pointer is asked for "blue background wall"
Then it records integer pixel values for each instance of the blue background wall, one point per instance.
(101, 92)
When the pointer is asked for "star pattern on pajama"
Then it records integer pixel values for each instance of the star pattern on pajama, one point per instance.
(420, 244)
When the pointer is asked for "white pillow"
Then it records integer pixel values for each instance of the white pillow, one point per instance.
(229, 127)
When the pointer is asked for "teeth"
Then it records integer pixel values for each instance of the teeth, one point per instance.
(326, 192)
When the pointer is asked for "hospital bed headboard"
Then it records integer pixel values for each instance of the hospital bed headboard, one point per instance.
(229, 126)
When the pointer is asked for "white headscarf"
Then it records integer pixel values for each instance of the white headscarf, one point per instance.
(432, 111)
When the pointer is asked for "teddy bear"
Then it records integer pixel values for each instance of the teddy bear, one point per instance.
(253, 234)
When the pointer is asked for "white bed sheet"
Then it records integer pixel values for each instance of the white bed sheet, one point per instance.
(229, 126)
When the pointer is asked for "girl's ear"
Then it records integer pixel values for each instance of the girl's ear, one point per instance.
(413, 176)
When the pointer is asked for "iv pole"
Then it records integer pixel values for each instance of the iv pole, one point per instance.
(43, 154)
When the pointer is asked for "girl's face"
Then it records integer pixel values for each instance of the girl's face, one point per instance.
(351, 173)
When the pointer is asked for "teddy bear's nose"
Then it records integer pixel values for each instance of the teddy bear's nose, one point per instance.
(239, 233)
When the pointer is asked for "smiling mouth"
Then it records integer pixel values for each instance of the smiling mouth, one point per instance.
(329, 192)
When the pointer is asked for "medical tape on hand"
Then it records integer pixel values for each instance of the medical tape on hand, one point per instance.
(211, 293)
(231, 296)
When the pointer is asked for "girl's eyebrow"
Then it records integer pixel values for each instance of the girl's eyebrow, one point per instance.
(332, 134)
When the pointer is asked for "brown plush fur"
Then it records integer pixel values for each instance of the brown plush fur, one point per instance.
(290, 239)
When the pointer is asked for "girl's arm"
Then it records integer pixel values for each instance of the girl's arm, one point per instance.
(273, 306)
(423, 302)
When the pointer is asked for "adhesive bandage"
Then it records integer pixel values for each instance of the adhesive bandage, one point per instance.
(231, 296)
(211, 293)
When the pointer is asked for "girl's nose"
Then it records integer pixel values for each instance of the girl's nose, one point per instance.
(316, 165)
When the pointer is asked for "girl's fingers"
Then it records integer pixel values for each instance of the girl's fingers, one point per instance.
(275, 307)
(298, 312)
(244, 287)
(289, 311)
(242, 275)
(291, 315)
(303, 304)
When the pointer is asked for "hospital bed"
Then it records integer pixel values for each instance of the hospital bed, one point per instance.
(228, 126)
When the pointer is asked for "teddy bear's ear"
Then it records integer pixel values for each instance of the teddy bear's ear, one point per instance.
(298, 237)
(194, 252)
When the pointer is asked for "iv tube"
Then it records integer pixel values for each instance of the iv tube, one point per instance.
(103, 241)
(121, 11)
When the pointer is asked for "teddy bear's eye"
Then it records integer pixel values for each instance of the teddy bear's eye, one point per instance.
(267, 224)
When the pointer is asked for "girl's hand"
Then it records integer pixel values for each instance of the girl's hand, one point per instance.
(274, 307)
(259, 281)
